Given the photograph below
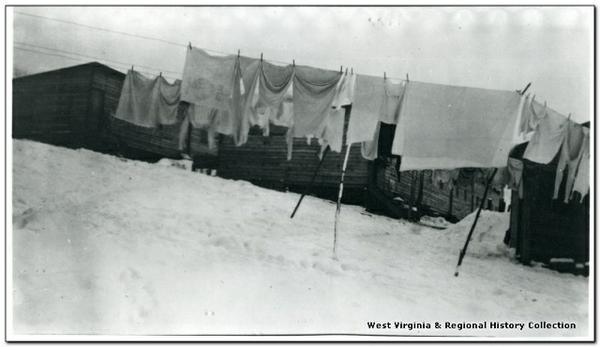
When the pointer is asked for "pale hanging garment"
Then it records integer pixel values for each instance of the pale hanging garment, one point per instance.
(392, 101)
(274, 88)
(369, 149)
(582, 178)
(250, 69)
(148, 102)
(570, 156)
(333, 131)
(345, 93)
(549, 129)
(447, 127)
(364, 116)
(314, 90)
(208, 80)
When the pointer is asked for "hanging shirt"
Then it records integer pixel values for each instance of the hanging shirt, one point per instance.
(314, 90)
(345, 93)
(570, 156)
(446, 127)
(549, 130)
(209, 80)
(333, 131)
(250, 70)
(369, 149)
(148, 102)
(582, 178)
(364, 116)
(392, 100)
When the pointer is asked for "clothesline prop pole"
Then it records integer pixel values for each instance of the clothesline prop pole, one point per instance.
(339, 200)
(312, 181)
(525, 89)
(485, 192)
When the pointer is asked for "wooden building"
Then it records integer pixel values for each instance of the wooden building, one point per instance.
(263, 161)
(151, 144)
(544, 229)
(74, 107)
(67, 107)
(396, 193)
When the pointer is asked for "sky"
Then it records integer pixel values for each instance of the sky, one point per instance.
(486, 47)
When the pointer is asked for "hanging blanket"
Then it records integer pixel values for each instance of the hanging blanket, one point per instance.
(148, 102)
(446, 127)
(314, 90)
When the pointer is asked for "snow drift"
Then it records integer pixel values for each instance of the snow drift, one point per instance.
(102, 245)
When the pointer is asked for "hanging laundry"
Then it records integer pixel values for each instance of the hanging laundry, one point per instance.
(571, 151)
(364, 116)
(184, 131)
(344, 95)
(202, 117)
(369, 149)
(148, 102)
(515, 170)
(549, 130)
(274, 84)
(392, 100)
(582, 178)
(314, 90)
(209, 80)
(446, 178)
(446, 127)
(333, 131)
(250, 70)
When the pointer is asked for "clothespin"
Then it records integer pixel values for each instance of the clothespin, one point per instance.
(189, 45)
(384, 76)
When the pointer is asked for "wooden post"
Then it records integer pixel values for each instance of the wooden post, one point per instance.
(464, 250)
(450, 201)
(420, 195)
(308, 189)
(412, 194)
(473, 191)
(339, 199)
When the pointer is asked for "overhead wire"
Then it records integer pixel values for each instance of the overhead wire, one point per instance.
(93, 57)
(150, 38)
(113, 65)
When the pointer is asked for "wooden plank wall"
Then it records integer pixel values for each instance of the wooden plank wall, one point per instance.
(263, 161)
(163, 141)
(549, 228)
(434, 196)
(52, 107)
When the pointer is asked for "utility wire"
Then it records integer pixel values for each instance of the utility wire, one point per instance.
(92, 57)
(144, 37)
(113, 65)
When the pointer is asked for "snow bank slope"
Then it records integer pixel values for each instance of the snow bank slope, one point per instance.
(106, 246)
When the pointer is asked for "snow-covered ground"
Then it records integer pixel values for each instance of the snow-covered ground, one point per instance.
(106, 246)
